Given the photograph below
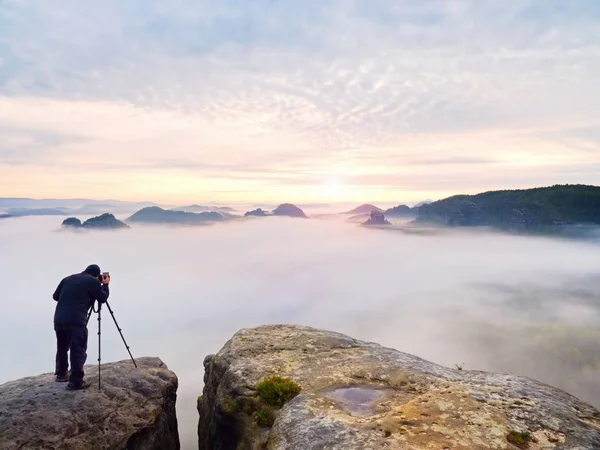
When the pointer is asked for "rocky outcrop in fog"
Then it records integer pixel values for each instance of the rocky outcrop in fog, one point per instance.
(255, 213)
(376, 218)
(335, 392)
(289, 210)
(105, 221)
(157, 215)
(134, 410)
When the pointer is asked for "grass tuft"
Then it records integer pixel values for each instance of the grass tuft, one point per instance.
(277, 391)
(264, 417)
(519, 439)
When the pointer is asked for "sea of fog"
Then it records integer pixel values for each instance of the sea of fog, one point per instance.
(523, 305)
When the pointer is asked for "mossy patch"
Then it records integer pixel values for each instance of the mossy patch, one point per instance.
(277, 391)
(264, 417)
(519, 439)
(232, 405)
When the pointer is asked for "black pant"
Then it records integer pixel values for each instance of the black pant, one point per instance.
(73, 338)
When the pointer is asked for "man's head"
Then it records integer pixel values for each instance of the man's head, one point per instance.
(93, 270)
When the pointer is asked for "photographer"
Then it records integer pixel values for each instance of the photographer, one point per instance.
(75, 295)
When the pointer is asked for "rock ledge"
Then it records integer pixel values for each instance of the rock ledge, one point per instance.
(360, 395)
(134, 410)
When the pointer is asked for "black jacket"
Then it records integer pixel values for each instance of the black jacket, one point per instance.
(75, 296)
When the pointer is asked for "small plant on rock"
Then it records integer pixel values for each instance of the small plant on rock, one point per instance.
(276, 391)
(519, 439)
(264, 417)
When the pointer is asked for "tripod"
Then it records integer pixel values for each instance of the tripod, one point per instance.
(99, 311)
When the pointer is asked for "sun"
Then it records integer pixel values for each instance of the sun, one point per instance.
(333, 188)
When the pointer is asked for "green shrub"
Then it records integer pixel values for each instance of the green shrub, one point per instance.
(276, 391)
(520, 439)
(264, 417)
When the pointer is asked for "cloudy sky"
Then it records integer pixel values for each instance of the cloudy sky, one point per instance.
(313, 100)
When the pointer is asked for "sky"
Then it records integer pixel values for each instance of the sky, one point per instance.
(319, 100)
(502, 303)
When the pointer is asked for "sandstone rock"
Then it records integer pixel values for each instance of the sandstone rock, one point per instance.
(156, 215)
(359, 395)
(134, 410)
(256, 213)
(105, 221)
(376, 218)
(71, 222)
(287, 209)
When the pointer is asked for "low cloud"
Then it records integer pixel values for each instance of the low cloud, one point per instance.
(522, 305)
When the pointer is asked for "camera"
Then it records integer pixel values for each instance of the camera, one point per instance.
(103, 275)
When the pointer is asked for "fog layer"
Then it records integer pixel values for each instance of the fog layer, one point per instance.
(524, 305)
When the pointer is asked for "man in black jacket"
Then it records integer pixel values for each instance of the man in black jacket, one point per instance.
(75, 296)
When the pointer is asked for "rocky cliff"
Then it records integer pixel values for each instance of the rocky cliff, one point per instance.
(339, 393)
(134, 410)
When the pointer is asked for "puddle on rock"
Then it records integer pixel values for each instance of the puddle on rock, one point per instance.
(358, 401)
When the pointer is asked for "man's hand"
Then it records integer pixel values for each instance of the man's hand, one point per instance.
(106, 279)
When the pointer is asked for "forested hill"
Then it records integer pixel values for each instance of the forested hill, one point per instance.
(539, 208)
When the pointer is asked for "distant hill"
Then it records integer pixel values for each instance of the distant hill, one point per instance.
(358, 218)
(204, 208)
(104, 221)
(99, 208)
(20, 212)
(424, 202)
(543, 209)
(71, 204)
(363, 209)
(256, 213)
(5, 216)
(402, 211)
(155, 214)
(287, 209)
(269, 207)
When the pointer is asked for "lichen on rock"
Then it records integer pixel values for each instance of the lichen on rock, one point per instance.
(359, 395)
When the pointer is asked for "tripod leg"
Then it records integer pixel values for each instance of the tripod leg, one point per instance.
(99, 332)
(118, 328)
(88, 316)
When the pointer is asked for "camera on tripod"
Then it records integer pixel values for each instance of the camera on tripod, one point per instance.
(104, 278)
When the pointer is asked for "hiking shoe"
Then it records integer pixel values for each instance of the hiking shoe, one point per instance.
(62, 378)
(78, 387)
